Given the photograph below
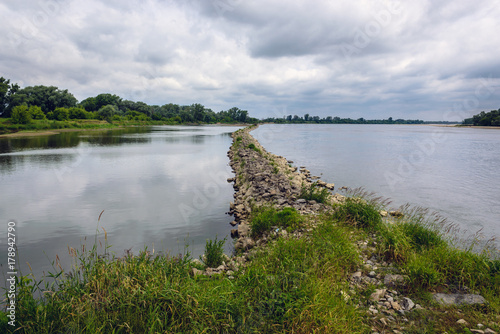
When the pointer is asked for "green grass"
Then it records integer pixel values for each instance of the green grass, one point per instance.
(314, 193)
(255, 148)
(288, 287)
(293, 285)
(264, 219)
(214, 251)
(358, 212)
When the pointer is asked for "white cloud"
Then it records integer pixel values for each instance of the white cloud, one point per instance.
(405, 59)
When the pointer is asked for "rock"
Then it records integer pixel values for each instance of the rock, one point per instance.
(458, 299)
(231, 205)
(234, 233)
(321, 183)
(330, 186)
(383, 213)
(243, 229)
(197, 262)
(396, 306)
(231, 179)
(397, 214)
(220, 268)
(372, 274)
(379, 293)
(233, 223)
(393, 280)
(489, 331)
(478, 331)
(407, 304)
(196, 272)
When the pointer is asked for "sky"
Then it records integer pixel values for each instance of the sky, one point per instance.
(430, 60)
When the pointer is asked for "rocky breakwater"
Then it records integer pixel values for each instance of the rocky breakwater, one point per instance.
(264, 179)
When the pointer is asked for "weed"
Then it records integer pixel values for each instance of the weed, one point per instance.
(214, 251)
(314, 193)
(358, 212)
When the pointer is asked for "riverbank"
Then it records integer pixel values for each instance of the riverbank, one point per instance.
(47, 128)
(305, 260)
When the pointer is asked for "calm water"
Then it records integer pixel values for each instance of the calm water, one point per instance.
(454, 171)
(160, 187)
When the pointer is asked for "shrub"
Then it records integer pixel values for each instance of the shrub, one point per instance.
(314, 193)
(61, 114)
(37, 113)
(358, 212)
(214, 251)
(20, 115)
(253, 147)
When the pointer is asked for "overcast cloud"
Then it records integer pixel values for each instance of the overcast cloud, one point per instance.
(432, 60)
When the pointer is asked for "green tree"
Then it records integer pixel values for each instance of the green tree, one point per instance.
(48, 98)
(61, 114)
(106, 113)
(20, 115)
(9, 97)
(79, 113)
(36, 112)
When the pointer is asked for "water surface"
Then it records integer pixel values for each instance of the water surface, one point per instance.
(454, 171)
(160, 187)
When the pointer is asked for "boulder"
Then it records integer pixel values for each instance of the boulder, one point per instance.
(330, 186)
(397, 214)
(458, 299)
(243, 229)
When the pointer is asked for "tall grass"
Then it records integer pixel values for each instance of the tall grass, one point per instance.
(313, 192)
(265, 218)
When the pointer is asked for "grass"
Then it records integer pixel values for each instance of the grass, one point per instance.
(314, 193)
(214, 251)
(293, 285)
(266, 218)
(255, 148)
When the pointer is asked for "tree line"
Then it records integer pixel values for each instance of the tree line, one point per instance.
(48, 102)
(337, 120)
(491, 118)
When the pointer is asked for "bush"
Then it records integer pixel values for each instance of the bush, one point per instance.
(358, 212)
(314, 193)
(37, 113)
(214, 251)
(61, 114)
(253, 147)
(20, 115)
(265, 219)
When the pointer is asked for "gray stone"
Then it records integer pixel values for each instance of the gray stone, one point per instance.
(407, 304)
(458, 299)
(478, 331)
(233, 223)
(489, 331)
(393, 280)
(243, 230)
(379, 293)
(196, 272)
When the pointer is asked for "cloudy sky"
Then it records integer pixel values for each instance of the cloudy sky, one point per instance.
(431, 60)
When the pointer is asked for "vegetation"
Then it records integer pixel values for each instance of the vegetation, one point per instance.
(21, 106)
(491, 118)
(299, 285)
(214, 251)
(307, 119)
(267, 218)
(314, 193)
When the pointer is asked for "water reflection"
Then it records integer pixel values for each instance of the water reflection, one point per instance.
(160, 186)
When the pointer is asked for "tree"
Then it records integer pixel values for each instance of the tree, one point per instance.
(48, 98)
(37, 113)
(106, 113)
(61, 114)
(20, 115)
(8, 97)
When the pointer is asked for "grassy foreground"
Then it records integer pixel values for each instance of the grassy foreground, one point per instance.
(298, 283)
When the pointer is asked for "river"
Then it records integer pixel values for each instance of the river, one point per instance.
(453, 171)
(161, 187)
